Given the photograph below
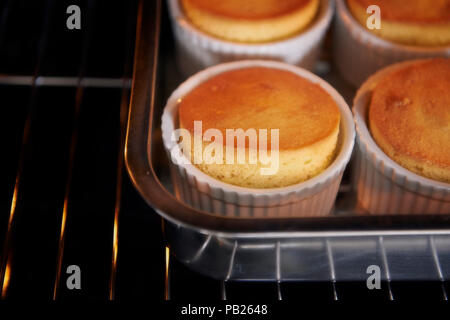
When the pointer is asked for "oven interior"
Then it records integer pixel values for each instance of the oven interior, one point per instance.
(66, 198)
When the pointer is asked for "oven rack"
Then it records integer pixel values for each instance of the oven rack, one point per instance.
(96, 220)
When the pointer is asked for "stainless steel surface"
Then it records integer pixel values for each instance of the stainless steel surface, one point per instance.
(386, 267)
(335, 248)
(333, 259)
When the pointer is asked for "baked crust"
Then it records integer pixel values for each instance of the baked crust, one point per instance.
(263, 98)
(412, 22)
(251, 20)
(409, 117)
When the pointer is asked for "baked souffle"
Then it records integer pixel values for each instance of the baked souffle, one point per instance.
(409, 117)
(303, 115)
(251, 21)
(410, 22)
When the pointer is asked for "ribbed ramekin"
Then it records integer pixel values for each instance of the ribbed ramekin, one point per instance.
(196, 50)
(382, 185)
(314, 197)
(358, 53)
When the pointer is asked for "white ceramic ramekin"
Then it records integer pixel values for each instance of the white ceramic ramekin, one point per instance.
(358, 53)
(314, 197)
(196, 50)
(382, 185)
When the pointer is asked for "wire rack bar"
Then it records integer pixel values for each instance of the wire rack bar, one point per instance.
(6, 268)
(49, 81)
(386, 267)
(120, 158)
(278, 270)
(332, 269)
(438, 266)
(73, 144)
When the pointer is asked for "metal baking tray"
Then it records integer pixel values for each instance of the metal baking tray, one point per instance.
(338, 247)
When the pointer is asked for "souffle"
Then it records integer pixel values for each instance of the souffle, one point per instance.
(411, 22)
(251, 21)
(303, 116)
(409, 117)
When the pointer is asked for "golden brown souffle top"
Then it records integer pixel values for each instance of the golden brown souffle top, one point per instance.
(410, 108)
(412, 11)
(249, 9)
(262, 98)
